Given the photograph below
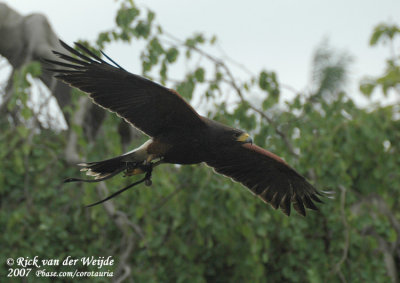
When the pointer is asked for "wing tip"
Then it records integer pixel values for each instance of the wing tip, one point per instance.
(300, 203)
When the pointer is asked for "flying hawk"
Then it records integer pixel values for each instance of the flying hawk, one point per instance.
(178, 134)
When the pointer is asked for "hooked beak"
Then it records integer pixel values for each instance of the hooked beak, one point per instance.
(245, 138)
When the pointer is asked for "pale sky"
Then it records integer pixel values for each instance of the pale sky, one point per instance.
(278, 35)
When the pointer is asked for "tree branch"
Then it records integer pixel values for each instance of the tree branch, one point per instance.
(337, 268)
(126, 246)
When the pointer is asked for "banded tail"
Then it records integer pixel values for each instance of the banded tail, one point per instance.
(105, 168)
(133, 163)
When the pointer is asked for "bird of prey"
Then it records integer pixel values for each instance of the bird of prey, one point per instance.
(178, 134)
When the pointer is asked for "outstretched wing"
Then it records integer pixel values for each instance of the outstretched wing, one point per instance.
(267, 176)
(148, 106)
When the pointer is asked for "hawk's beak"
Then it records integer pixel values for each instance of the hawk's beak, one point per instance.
(245, 138)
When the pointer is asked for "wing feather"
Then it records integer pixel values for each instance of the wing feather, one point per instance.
(267, 176)
(146, 105)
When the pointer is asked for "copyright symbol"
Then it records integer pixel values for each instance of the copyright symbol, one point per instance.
(10, 261)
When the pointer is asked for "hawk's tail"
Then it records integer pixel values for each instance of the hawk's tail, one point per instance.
(105, 168)
(133, 163)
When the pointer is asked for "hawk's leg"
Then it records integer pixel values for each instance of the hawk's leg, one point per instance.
(148, 168)
(133, 168)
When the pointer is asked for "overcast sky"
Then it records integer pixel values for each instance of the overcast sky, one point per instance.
(279, 35)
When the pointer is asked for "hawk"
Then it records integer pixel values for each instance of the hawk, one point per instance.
(178, 134)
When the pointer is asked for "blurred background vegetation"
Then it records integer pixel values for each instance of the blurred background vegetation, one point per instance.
(191, 224)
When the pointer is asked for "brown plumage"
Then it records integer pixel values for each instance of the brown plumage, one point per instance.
(179, 135)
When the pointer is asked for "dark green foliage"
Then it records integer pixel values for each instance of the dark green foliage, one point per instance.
(195, 225)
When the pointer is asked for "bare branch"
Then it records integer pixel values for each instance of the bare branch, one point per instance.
(337, 268)
(71, 154)
(126, 246)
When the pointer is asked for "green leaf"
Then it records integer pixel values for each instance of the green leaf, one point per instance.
(199, 38)
(186, 88)
(150, 16)
(199, 74)
(268, 82)
(102, 38)
(142, 29)
(192, 42)
(269, 102)
(126, 16)
(376, 35)
(172, 54)
(26, 113)
(213, 40)
(367, 87)
(383, 32)
(163, 71)
(156, 47)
